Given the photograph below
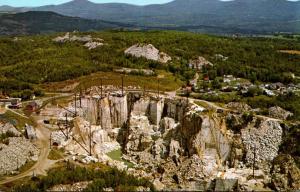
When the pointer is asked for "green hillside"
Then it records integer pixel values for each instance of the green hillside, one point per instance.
(29, 61)
(35, 22)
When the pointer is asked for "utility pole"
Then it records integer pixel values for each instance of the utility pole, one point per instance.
(158, 88)
(75, 105)
(67, 125)
(101, 89)
(80, 96)
(122, 85)
(254, 160)
(90, 140)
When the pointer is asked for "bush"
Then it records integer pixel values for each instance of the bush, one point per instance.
(106, 178)
(248, 117)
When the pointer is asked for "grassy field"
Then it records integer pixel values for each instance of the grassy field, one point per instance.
(167, 81)
(17, 120)
(117, 155)
(56, 154)
(26, 166)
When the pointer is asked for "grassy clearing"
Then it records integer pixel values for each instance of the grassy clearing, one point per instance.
(26, 166)
(17, 120)
(167, 81)
(63, 101)
(117, 155)
(56, 154)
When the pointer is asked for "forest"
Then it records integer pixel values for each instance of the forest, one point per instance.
(26, 62)
(102, 177)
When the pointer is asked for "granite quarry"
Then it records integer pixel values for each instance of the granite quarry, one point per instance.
(172, 141)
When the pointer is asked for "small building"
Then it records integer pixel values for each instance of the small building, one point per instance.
(13, 103)
(206, 77)
(30, 132)
(32, 106)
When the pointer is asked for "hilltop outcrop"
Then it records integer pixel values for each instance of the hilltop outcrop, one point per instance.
(89, 42)
(148, 52)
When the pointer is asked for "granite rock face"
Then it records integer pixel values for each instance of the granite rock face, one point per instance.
(148, 52)
(88, 41)
(178, 145)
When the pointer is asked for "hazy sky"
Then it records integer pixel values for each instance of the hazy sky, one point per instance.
(48, 2)
(28, 3)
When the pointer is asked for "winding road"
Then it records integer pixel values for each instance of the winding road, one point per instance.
(43, 163)
(43, 143)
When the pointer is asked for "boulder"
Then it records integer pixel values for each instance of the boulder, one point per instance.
(100, 136)
(199, 63)
(7, 127)
(239, 107)
(164, 58)
(159, 149)
(279, 113)
(93, 45)
(175, 150)
(62, 39)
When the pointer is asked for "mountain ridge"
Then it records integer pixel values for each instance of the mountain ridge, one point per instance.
(39, 22)
(248, 15)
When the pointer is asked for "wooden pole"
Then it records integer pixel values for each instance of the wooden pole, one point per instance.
(101, 88)
(122, 85)
(80, 97)
(157, 87)
(75, 105)
(67, 125)
(254, 160)
(90, 140)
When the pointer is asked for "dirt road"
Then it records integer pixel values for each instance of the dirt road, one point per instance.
(43, 163)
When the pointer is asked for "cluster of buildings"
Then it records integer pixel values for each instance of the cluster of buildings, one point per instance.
(229, 83)
(16, 103)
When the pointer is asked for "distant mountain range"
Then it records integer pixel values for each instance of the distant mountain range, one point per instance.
(35, 22)
(245, 16)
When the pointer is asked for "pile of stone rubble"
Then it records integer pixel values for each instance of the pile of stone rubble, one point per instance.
(17, 153)
(7, 127)
(90, 43)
